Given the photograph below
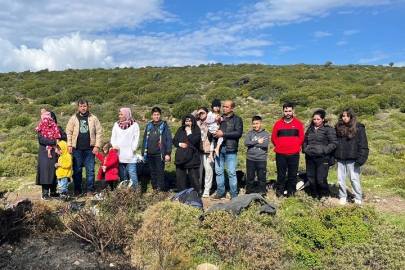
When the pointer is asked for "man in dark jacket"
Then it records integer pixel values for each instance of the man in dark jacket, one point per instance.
(231, 131)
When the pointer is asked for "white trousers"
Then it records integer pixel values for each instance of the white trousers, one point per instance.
(208, 166)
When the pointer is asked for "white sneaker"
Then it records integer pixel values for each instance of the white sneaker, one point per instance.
(206, 194)
(357, 201)
(342, 201)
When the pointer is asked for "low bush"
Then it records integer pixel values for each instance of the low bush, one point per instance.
(313, 237)
(169, 237)
(384, 250)
(21, 120)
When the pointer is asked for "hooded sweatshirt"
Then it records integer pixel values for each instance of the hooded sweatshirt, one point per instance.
(64, 161)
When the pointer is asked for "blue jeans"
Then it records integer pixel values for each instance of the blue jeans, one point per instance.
(128, 169)
(231, 162)
(63, 184)
(351, 168)
(83, 158)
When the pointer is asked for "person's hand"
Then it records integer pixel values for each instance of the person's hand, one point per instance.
(70, 149)
(95, 150)
(104, 168)
(183, 145)
(218, 134)
(167, 158)
(261, 140)
(56, 165)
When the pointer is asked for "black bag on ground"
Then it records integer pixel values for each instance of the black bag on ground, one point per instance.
(189, 197)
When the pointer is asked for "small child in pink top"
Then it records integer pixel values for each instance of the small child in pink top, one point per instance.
(214, 120)
(49, 129)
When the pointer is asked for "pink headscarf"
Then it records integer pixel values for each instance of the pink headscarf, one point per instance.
(127, 113)
(128, 118)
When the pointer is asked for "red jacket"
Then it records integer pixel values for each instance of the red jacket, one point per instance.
(287, 138)
(111, 163)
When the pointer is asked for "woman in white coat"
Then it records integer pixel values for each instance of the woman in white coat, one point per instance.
(125, 135)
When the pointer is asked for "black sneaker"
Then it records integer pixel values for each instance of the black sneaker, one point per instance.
(64, 197)
(46, 198)
(54, 194)
(218, 197)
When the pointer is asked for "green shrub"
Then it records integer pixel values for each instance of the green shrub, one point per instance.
(361, 107)
(221, 93)
(18, 166)
(187, 106)
(313, 236)
(21, 120)
(384, 250)
(169, 237)
(8, 99)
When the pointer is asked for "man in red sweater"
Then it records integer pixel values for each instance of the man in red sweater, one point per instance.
(287, 138)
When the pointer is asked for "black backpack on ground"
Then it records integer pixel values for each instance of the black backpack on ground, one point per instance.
(190, 197)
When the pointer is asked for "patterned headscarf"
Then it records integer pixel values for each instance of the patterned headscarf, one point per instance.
(128, 118)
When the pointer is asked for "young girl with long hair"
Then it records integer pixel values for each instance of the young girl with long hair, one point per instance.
(351, 153)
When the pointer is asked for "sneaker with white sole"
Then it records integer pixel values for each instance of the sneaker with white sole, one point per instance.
(357, 201)
(342, 201)
(206, 194)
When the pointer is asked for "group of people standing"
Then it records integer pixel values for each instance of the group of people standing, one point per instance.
(206, 142)
(321, 144)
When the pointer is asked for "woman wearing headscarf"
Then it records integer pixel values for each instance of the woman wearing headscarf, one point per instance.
(319, 143)
(46, 171)
(187, 158)
(125, 135)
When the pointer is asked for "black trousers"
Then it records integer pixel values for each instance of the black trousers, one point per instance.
(317, 173)
(157, 172)
(258, 168)
(287, 165)
(181, 177)
(48, 187)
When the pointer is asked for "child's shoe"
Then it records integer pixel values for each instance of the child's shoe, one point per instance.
(342, 201)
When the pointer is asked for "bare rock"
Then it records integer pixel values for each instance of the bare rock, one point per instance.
(207, 266)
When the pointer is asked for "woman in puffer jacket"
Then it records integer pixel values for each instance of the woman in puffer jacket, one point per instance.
(319, 143)
(351, 153)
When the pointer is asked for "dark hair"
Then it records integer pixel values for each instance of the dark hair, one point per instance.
(203, 108)
(288, 105)
(82, 101)
(156, 109)
(347, 129)
(321, 114)
(256, 118)
(53, 116)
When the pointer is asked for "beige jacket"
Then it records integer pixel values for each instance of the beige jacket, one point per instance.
(72, 131)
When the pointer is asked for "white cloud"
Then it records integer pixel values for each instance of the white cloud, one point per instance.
(283, 49)
(342, 42)
(377, 56)
(350, 32)
(61, 54)
(38, 34)
(320, 34)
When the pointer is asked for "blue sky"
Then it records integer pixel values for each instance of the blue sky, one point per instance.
(62, 34)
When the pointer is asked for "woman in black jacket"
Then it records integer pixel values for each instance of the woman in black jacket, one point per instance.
(319, 143)
(351, 153)
(187, 158)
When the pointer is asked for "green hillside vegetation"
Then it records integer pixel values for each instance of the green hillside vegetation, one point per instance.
(304, 233)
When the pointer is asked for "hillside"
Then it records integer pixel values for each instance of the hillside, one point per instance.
(376, 93)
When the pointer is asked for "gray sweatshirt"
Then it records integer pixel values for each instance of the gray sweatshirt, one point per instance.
(257, 151)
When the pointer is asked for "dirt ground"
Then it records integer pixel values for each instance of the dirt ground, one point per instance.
(69, 253)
